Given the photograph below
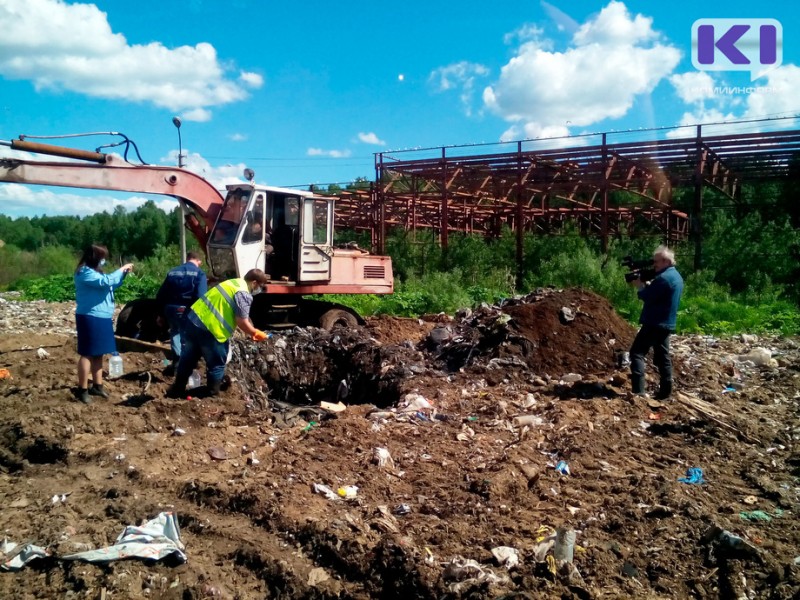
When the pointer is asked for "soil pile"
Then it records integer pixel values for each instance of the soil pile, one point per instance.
(460, 472)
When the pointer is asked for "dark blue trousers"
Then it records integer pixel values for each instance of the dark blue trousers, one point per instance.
(657, 338)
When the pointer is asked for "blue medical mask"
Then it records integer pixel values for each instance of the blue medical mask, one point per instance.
(102, 262)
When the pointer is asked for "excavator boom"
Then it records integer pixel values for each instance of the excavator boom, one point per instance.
(118, 175)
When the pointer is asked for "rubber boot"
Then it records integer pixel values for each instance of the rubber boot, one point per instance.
(83, 396)
(178, 389)
(214, 388)
(664, 390)
(97, 390)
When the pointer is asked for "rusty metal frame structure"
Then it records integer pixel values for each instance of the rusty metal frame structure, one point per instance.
(535, 189)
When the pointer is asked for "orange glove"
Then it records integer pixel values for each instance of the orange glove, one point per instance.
(259, 336)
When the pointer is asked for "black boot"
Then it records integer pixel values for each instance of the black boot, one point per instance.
(213, 389)
(178, 389)
(97, 390)
(664, 390)
(83, 396)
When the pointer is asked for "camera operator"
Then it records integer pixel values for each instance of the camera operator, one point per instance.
(661, 297)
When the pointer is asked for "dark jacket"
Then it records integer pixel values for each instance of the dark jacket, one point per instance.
(661, 298)
(183, 285)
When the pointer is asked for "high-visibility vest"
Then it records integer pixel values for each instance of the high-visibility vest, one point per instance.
(217, 309)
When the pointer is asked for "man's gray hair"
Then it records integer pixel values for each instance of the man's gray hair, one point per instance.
(665, 253)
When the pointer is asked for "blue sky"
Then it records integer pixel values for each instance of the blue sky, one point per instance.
(306, 93)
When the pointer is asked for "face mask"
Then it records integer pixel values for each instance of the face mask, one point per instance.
(256, 291)
(102, 262)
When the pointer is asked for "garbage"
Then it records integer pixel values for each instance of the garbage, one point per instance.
(506, 556)
(348, 492)
(217, 453)
(115, 367)
(726, 539)
(528, 420)
(382, 458)
(416, 403)
(324, 490)
(15, 556)
(750, 500)
(759, 357)
(195, 381)
(564, 547)
(566, 315)
(156, 539)
(694, 476)
(5, 374)
(402, 509)
(331, 407)
(571, 378)
(42, 353)
(563, 468)
(468, 572)
(755, 515)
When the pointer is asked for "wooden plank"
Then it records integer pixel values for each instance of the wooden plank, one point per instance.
(126, 344)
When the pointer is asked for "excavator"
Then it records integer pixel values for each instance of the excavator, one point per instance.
(284, 232)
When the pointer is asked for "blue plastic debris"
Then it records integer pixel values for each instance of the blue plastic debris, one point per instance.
(563, 468)
(694, 476)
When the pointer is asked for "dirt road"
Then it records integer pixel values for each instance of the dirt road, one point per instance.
(432, 438)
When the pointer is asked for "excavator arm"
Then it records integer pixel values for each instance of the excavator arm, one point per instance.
(112, 173)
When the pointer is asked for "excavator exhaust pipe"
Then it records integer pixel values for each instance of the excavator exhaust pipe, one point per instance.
(51, 150)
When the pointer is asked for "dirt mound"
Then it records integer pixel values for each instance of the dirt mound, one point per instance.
(550, 332)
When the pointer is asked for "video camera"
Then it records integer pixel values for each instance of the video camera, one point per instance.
(639, 269)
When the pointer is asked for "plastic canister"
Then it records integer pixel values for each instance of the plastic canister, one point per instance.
(564, 548)
(115, 368)
(194, 380)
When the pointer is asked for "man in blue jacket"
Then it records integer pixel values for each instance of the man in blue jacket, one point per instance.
(181, 288)
(661, 297)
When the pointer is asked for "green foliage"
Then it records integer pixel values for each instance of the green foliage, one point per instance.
(61, 288)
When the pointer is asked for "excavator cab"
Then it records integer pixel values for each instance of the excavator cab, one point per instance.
(286, 233)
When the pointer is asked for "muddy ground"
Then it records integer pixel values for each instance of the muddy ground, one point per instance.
(465, 476)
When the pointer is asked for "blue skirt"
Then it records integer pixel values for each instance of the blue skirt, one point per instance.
(95, 335)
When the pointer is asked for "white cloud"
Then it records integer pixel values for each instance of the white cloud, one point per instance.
(22, 200)
(460, 75)
(525, 33)
(61, 46)
(371, 138)
(715, 101)
(237, 137)
(199, 115)
(328, 153)
(694, 86)
(253, 80)
(612, 59)
(533, 130)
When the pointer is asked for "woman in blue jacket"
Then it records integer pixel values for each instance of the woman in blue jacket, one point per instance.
(94, 292)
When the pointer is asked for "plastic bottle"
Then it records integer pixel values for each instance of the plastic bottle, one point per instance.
(194, 380)
(115, 366)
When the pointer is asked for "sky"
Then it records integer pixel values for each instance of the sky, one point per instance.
(307, 93)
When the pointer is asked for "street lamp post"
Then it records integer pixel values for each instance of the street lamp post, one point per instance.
(182, 230)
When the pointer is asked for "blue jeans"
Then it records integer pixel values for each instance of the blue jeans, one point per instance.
(174, 315)
(198, 342)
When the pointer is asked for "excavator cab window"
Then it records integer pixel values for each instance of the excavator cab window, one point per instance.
(230, 218)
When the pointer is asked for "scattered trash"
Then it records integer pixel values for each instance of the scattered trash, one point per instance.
(528, 420)
(324, 490)
(467, 573)
(195, 380)
(382, 458)
(217, 453)
(564, 548)
(15, 556)
(42, 353)
(715, 534)
(755, 515)
(506, 556)
(566, 315)
(348, 492)
(694, 476)
(310, 426)
(750, 500)
(316, 576)
(178, 431)
(402, 509)
(334, 408)
(563, 468)
(759, 357)
(252, 460)
(59, 498)
(5, 374)
(623, 359)
(156, 539)
(415, 403)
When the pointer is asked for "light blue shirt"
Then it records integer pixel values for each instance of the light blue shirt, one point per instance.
(94, 292)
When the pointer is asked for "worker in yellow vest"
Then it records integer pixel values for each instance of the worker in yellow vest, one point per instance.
(209, 325)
